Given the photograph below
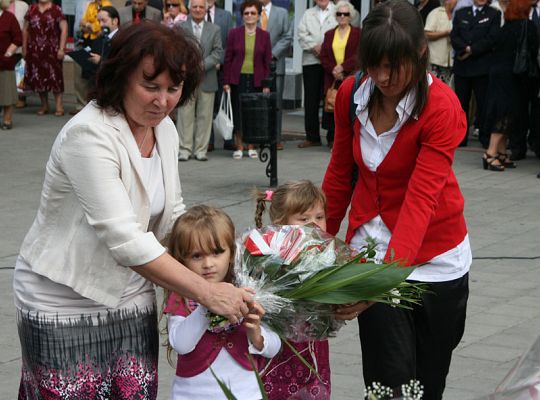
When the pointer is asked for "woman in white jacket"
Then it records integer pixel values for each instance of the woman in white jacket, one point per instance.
(83, 281)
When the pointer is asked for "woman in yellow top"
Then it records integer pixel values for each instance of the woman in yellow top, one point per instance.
(90, 26)
(338, 56)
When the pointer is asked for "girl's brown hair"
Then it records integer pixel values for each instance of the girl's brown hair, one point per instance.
(288, 199)
(201, 228)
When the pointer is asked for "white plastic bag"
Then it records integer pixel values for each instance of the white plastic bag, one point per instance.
(223, 123)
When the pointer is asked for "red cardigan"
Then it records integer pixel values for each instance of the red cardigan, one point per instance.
(10, 32)
(236, 51)
(414, 189)
(328, 61)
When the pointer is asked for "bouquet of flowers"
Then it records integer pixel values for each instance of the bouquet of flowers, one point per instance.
(299, 274)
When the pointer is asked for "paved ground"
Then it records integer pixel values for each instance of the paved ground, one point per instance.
(501, 209)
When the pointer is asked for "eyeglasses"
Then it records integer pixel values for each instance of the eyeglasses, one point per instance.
(170, 5)
(343, 14)
(250, 13)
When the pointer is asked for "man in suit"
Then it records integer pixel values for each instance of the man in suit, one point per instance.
(223, 19)
(138, 11)
(473, 34)
(275, 20)
(110, 22)
(194, 121)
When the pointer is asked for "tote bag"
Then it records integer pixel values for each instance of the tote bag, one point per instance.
(223, 123)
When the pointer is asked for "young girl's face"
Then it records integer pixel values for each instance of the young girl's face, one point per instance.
(315, 214)
(213, 267)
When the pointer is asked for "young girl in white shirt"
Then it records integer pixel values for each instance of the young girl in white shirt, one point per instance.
(203, 239)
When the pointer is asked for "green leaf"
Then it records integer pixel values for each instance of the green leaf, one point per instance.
(259, 380)
(226, 391)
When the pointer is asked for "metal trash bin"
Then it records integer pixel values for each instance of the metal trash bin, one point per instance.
(259, 117)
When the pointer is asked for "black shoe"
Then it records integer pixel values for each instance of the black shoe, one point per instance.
(506, 161)
(210, 147)
(492, 163)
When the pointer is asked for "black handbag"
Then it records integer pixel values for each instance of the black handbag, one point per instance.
(523, 62)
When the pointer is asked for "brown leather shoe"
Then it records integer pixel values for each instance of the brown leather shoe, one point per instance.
(308, 143)
(279, 146)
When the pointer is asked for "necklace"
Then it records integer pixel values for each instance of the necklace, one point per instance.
(144, 140)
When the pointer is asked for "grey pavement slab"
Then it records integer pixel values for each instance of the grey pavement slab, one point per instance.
(501, 210)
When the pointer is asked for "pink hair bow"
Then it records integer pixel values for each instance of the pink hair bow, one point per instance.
(269, 194)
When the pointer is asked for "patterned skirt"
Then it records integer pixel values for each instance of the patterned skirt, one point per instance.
(113, 356)
(287, 378)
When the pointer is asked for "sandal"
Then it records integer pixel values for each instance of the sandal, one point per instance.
(237, 154)
(59, 113)
(505, 160)
(43, 111)
(252, 153)
(489, 161)
(7, 125)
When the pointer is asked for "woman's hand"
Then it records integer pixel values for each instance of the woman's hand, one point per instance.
(347, 312)
(227, 300)
(252, 322)
(226, 88)
(266, 90)
(60, 54)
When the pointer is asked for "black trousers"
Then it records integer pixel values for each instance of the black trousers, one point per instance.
(529, 119)
(313, 78)
(399, 345)
(464, 87)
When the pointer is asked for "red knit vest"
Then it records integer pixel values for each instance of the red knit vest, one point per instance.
(208, 348)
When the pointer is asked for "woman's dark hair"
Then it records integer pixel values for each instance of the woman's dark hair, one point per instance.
(251, 3)
(171, 49)
(517, 10)
(112, 12)
(394, 29)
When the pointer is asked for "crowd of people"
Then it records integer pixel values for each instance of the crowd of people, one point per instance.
(472, 47)
(112, 221)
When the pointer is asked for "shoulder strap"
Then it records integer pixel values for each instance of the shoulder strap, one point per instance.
(352, 115)
(352, 109)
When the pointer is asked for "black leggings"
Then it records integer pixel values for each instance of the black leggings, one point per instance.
(399, 345)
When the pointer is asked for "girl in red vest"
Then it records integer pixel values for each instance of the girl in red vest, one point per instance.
(399, 130)
(203, 240)
(286, 377)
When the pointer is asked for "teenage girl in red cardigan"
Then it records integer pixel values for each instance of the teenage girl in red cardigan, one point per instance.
(407, 126)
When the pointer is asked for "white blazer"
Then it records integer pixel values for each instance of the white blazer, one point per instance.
(94, 211)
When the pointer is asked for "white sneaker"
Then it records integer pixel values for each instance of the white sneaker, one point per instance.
(252, 153)
(237, 154)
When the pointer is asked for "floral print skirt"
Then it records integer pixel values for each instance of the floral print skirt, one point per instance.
(287, 378)
(111, 356)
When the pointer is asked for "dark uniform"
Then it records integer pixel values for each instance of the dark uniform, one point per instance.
(471, 74)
